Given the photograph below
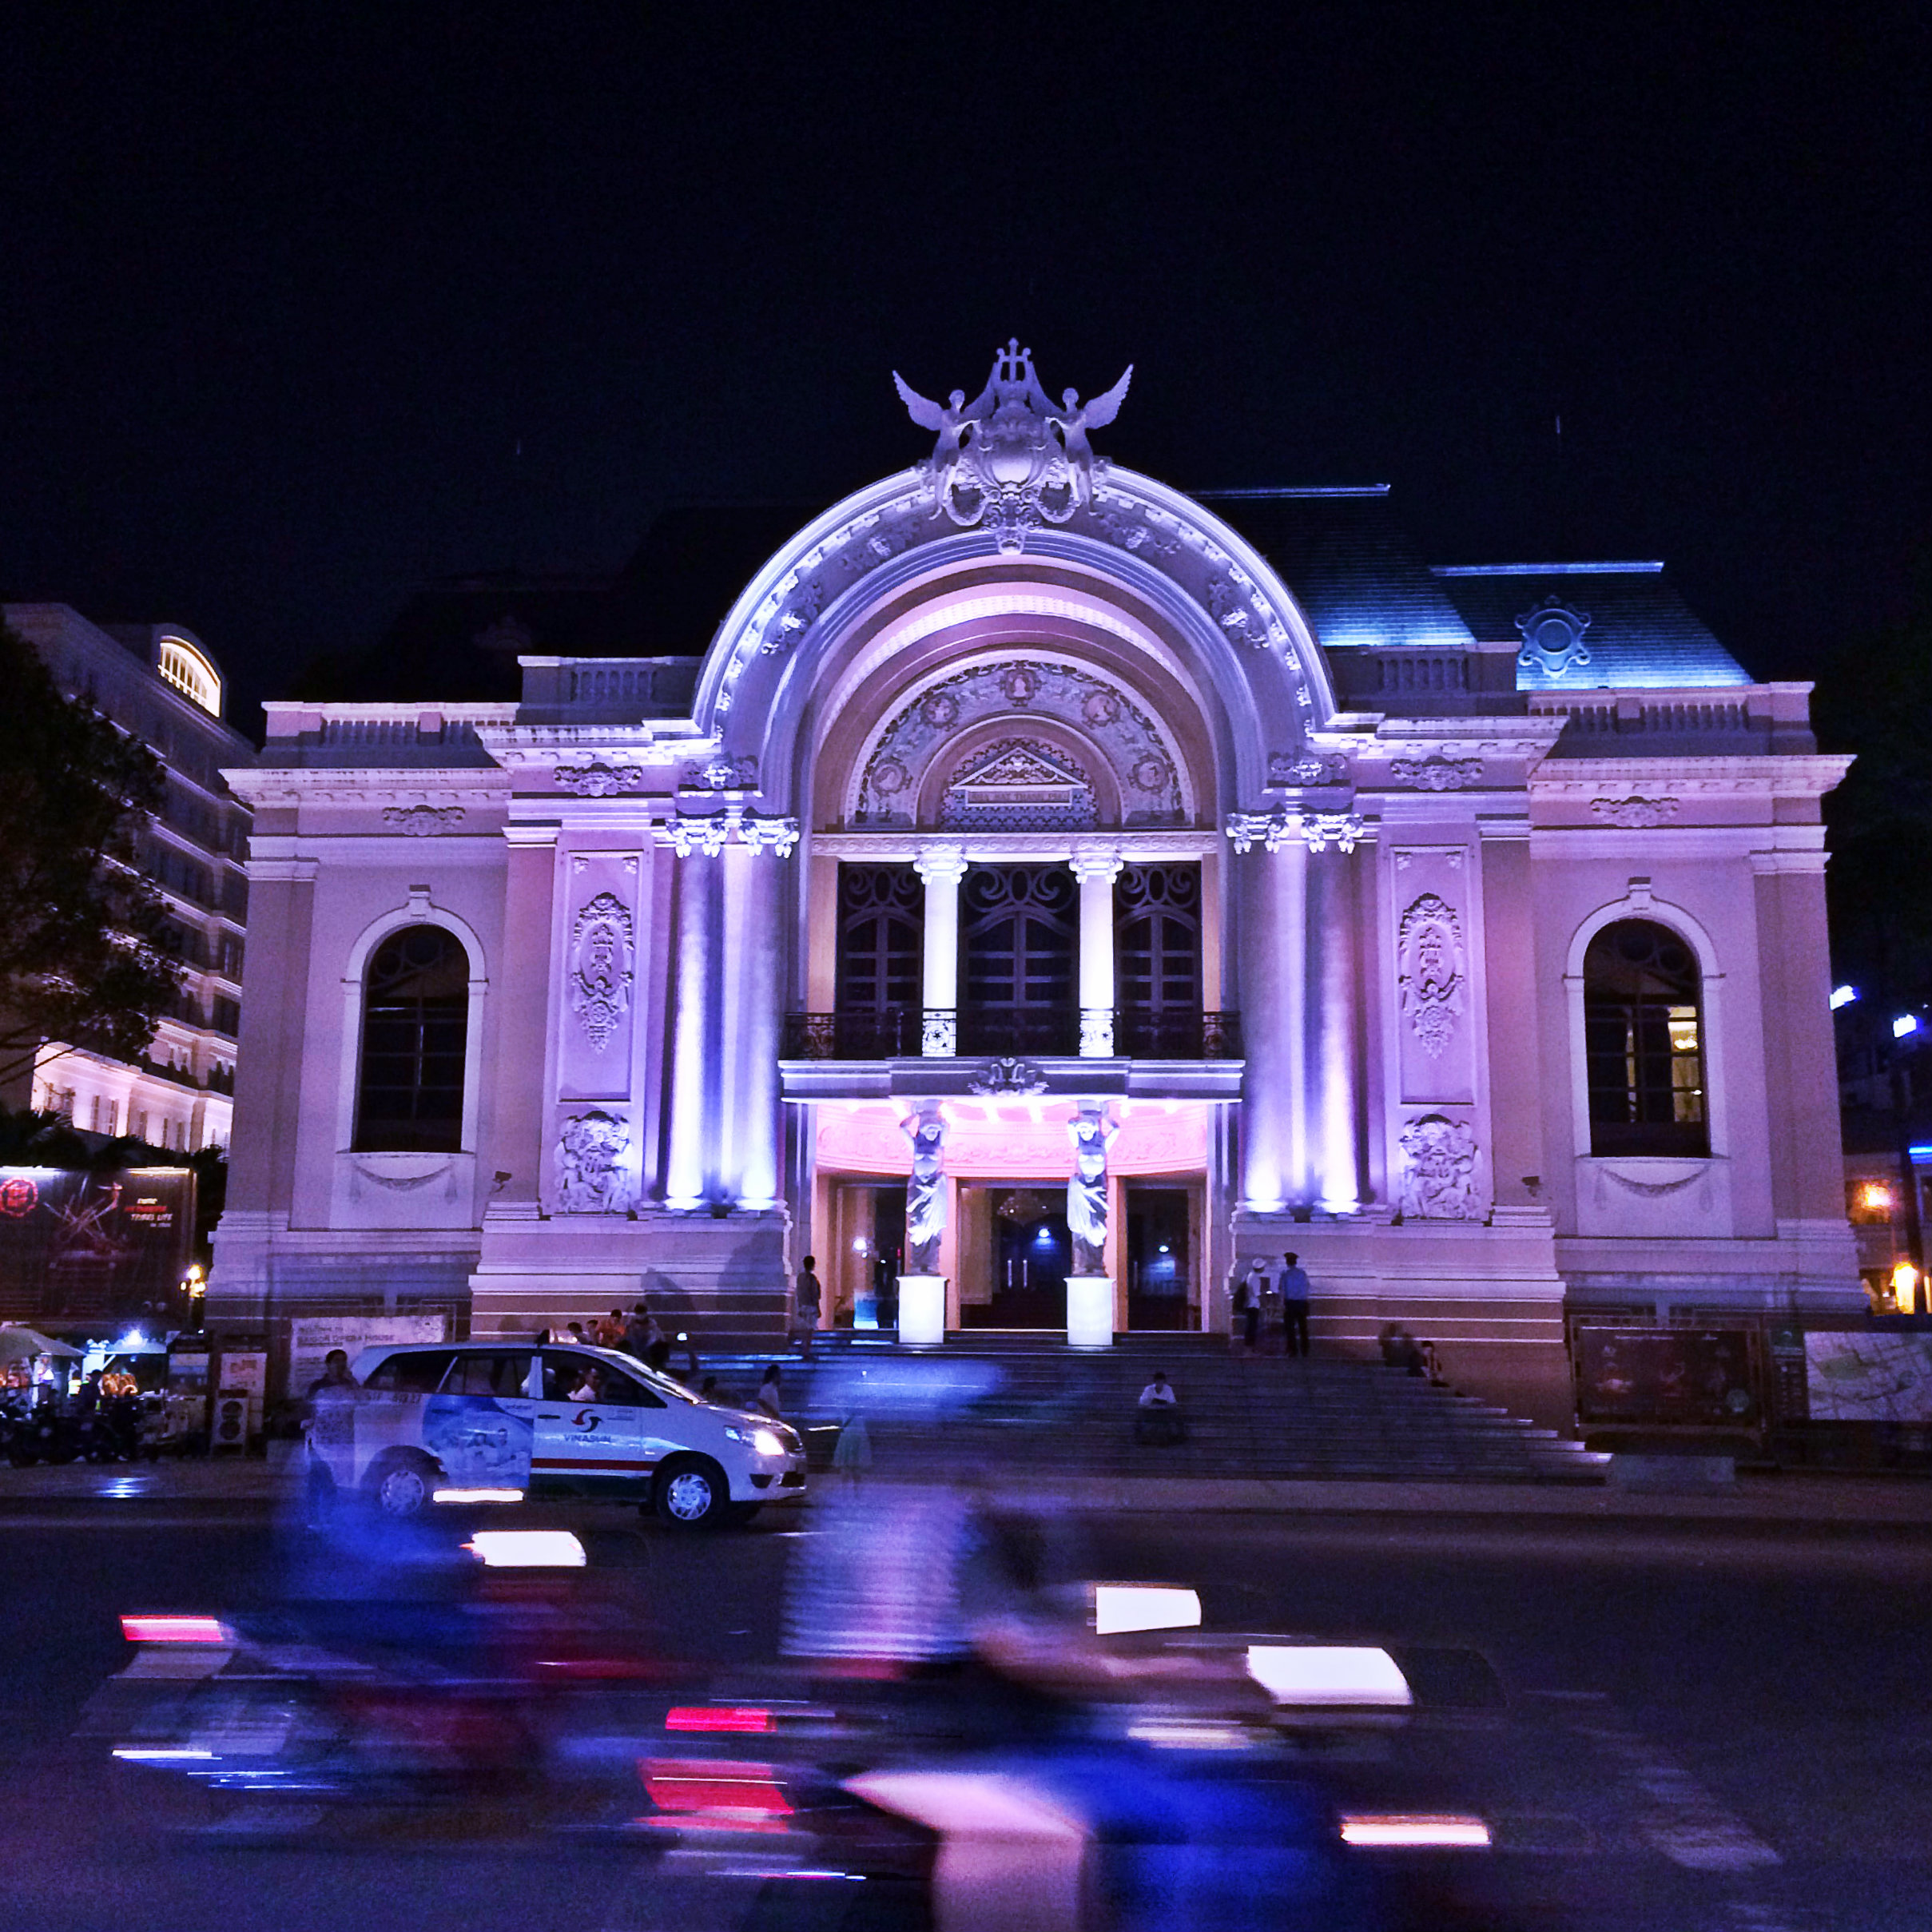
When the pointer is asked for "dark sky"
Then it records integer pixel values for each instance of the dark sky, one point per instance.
(285, 291)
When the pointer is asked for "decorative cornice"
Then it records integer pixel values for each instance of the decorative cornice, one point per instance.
(1780, 775)
(371, 786)
(904, 845)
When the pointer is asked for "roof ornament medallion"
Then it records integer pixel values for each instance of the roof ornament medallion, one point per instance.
(1009, 461)
(1552, 637)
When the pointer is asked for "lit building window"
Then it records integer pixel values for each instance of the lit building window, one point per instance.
(183, 666)
(1871, 1202)
(1643, 1041)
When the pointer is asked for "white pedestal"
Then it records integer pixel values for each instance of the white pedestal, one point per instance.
(922, 1311)
(1090, 1311)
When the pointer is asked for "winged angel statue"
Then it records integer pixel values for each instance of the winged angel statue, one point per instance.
(1009, 458)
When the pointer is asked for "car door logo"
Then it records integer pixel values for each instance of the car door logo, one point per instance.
(585, 1419)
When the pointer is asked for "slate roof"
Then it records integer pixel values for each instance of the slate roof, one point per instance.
(1353, 569)
(1640, 633)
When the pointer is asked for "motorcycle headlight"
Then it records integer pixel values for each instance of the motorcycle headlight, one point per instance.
(765, 1441)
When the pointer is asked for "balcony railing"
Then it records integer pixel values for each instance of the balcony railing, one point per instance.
(898, 1032)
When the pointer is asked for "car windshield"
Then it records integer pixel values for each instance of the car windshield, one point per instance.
(672, 1390)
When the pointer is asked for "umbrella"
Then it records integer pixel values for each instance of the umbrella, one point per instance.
(22, 1343)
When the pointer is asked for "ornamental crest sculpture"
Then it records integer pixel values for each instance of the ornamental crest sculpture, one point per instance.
(590, 1151)
(601, 942)
(1439, 1169)
(1009, 460)
(1432, 972)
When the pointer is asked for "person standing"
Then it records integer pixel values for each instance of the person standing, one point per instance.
(1253, 1286)
(1291, 1284)
(808, 1300)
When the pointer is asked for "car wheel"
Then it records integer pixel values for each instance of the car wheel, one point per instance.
(692, 1494)
(400, 1488)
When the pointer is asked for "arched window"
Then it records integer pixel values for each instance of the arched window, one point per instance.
(1157, 955)
(415, 1016)
(880, 958)
(1643, 1017)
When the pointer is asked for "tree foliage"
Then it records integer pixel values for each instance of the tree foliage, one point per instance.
(84, 953)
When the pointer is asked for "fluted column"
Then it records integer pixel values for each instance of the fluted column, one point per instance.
(1333, 1099)
(686, 1163)
(942, 868)
(753, 939)
(1096, 872)
(1273, 887)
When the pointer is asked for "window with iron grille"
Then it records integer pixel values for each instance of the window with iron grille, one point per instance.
(1157, 961)
(1018, 938)
(881, 959)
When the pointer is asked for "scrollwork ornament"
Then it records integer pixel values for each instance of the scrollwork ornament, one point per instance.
(1433, 970)
(601, 949)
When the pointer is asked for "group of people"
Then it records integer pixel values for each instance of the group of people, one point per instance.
(1288, 1285)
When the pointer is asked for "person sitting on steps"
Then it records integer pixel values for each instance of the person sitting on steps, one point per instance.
(1157, 1419)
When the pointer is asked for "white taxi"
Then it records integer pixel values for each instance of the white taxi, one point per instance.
(501, 1421)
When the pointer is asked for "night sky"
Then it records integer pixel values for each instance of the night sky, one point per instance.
(302, 308)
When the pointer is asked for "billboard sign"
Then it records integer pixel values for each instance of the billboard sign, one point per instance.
(80, 1246)
(1694, 1377)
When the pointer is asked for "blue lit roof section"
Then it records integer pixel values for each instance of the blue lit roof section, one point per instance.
(1638, 632)
(1350, 564)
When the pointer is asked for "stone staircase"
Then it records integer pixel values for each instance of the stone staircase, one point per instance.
(1066, 1412)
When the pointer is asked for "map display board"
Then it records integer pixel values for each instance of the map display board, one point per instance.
(1869, 1376)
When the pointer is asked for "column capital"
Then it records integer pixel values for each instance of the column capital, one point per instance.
(940, 864)
(1097, 867)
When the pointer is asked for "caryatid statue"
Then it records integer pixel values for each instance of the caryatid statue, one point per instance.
(925, 1190)
(1093, 1129)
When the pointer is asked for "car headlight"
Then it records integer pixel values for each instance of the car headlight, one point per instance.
(766, 1442)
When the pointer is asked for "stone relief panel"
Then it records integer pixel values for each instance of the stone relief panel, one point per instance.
(1437, 773)
(1436, 1011)
(601, 943)
(595, 1172)
(423, 820)
(602, 949)
(1439, 1180)
(1144, 767)
(1433, 973)
(1636, 814)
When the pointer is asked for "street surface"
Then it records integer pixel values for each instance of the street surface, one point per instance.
(1710, 1726)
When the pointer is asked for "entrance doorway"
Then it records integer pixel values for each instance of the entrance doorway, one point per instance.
(1023, 1261)
(1159, 1259)
(869, 1230)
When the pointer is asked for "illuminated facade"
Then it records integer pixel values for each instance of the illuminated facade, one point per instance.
(158, 682)
(1461, 929)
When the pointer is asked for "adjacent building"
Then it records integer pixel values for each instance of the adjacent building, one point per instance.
(159, 683)
(1040, 894)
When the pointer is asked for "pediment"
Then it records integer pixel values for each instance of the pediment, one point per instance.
(1022, 773)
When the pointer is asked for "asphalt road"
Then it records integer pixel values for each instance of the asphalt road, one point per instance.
(1709, 1726)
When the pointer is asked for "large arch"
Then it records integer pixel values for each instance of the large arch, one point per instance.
(1143, 566)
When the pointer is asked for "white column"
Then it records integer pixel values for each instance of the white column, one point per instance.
(1272, 884)
(1332, 888)
(753, 938)
(1096, 872)
(687, 1166)
(942, 868)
